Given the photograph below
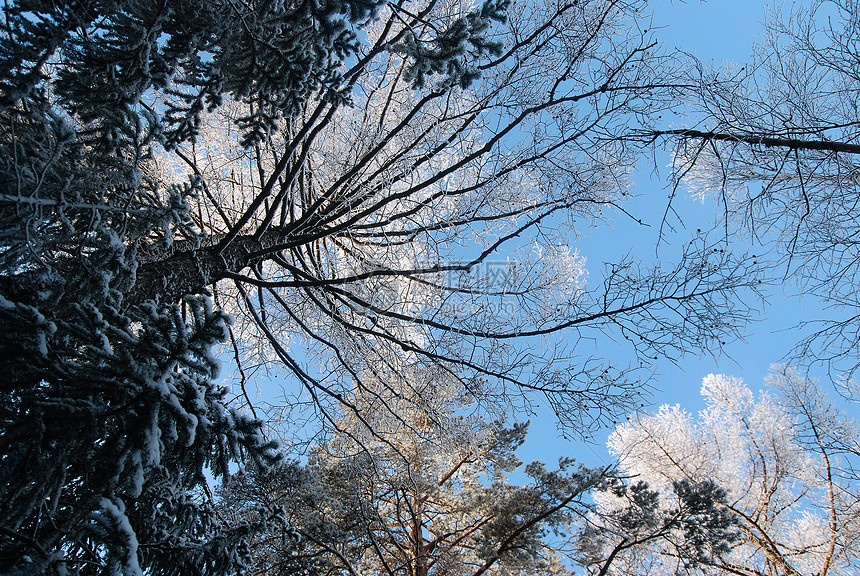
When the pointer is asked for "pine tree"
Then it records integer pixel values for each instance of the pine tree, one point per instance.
(111, 416)
(110, 413)
(407, 495)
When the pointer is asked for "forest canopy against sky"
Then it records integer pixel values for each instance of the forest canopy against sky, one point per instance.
(391, 202)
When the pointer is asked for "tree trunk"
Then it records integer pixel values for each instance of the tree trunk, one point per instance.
(189, 267)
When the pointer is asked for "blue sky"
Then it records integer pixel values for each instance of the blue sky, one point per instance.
(717, 30)
(720, 31)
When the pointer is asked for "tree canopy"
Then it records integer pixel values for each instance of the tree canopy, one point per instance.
(787, 459)
(776, 144)
(423, 497)
(433, 219)
(358, 192)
